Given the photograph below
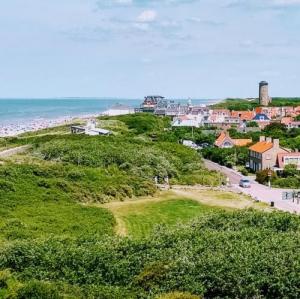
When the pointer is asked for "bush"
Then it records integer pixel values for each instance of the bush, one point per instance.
(262, 176)
(38, 290)
(178, 295)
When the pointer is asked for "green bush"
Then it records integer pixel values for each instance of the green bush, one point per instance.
(263, 176)
(38, 290)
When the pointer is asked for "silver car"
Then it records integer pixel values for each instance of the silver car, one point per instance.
(245, 183)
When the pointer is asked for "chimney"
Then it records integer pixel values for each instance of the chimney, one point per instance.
(262, 138)
(276, 143)
(269, 139)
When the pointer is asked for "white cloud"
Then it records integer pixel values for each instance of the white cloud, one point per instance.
(147, 16)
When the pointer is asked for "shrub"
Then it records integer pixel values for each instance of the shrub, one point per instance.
(178, 295)
(38, 290)
(263, 176)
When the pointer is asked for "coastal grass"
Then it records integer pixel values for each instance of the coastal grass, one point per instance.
(141, 218)
(137, 218)
(34, 220)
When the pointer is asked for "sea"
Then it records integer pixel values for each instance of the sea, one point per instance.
(23, 111)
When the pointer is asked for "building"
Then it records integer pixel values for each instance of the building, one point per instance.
(119, 109)
(264, 98)
(285, 159)
(225, 141)
(90, 129)
(243, 115)
(186, 121)
(263, 154)
(262, 120)
(150, 103)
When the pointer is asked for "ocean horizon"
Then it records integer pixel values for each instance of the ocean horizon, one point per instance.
(20, 111)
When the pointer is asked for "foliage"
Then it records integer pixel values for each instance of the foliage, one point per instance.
(263, 176)
(178, 295)
(236, 104)
(280, 101)
(227, 156)
(220, 255)
(252, 124)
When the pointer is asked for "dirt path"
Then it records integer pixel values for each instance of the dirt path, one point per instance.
(14, 151)
(213, 198)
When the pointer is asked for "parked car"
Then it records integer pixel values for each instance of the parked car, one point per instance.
(245, 183)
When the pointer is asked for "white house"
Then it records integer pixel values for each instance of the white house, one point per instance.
(187, 121)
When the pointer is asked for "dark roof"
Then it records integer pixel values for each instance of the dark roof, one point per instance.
(260, 116)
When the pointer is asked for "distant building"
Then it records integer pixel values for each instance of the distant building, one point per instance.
(264, 98)
(150, 103)
(225, 141)
(263, 154)
(90, 129)
(243, 115)
(186, 121)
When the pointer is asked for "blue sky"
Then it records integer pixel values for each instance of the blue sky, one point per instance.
(131, 48)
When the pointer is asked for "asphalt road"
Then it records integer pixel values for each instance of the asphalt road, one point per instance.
(257, 191)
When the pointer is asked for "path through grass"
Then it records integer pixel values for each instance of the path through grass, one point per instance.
(137, 218)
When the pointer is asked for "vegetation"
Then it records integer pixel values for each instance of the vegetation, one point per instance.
(250, 104)
(57, 241)
(237, 104)
(221, 255)
(227, 156)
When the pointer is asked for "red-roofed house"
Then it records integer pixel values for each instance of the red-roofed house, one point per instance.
(285, 159)
(263, 154)
(225, 141)
(243, 115)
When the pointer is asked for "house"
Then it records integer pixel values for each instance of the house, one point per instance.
(285, 159)
(261, 117)
(225, 141)
(263, 154)
(150, 103)
(90, 129)
(286, 120)
(185, 121)
(262, 120)
(119, 109)
(243, 115)
(294, 125)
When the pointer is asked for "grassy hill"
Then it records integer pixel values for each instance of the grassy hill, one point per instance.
(81, 218)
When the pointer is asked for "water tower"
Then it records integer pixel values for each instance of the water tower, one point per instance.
(264, 98)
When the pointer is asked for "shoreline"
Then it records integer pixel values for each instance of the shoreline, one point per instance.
(13, 130)
(16, 128)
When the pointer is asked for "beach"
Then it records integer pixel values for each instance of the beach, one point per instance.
(19, 116)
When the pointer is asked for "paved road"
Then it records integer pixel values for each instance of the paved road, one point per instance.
(257, 191)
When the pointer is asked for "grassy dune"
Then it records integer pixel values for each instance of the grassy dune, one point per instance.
(137, 218)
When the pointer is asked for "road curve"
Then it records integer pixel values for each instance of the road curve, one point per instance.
(257, 191)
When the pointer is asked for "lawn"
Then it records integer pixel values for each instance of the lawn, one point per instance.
(137, 218)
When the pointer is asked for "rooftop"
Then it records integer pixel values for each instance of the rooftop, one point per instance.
(261, 146)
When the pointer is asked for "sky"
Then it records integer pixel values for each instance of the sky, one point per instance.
(132, 48)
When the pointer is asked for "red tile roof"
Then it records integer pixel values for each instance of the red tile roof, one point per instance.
(243, 115)
(261, 147)
(241, 142)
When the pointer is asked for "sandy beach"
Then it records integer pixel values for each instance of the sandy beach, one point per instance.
(15, 129)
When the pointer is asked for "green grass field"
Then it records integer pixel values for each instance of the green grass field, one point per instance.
(33, 220)
(137, 218)
(171, 212)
